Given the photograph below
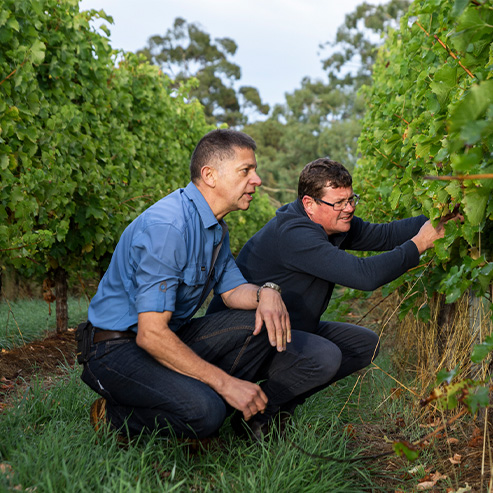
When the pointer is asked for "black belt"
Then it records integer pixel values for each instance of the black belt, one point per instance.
(101, 335)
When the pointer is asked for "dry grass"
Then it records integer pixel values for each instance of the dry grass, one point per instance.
(421, 349)
(445, 341)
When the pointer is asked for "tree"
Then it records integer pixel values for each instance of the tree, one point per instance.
(187, 51)
(427, 137)
(84, 146)
(357, 42)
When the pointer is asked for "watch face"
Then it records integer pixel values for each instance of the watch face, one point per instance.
(272, 286)
(268, 285)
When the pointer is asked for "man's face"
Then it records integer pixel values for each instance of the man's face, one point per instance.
(237, 179)
(331, 220)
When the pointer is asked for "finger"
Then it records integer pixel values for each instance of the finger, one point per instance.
(259, 406)
(285, 327)
(263, 398)
(271, 331)
(280, 336)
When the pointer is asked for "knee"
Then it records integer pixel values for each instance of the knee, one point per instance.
(372, 347)
(325, 361)
(204, 417)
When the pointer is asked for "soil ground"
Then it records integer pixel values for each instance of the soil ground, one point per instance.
(40, 357)
(459, 459)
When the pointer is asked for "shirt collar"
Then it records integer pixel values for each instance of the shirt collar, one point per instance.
(203, 208)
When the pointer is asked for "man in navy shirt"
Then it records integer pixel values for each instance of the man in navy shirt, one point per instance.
(303, 250)
(155, 366)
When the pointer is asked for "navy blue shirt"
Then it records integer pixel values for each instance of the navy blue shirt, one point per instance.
(161, 263)
(296, 253)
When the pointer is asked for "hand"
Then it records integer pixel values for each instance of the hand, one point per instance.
(272, 311)
(428, 233)
(245, 396)
(455, 215)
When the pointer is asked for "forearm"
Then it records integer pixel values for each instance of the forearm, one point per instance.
(243, 297)
(365, 236)
(155, 337)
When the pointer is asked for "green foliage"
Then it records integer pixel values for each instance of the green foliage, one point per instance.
(186, 51)
(430, 113)
(85, 146)
(474, 394)
(480, 351)
(407, 449)
(243, 225)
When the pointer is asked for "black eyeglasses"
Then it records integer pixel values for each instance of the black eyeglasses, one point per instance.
(342, 204)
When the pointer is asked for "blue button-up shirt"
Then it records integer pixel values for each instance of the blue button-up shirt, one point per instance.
(161, 263)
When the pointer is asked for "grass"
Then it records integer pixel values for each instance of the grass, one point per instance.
(27, 320)
(48, 445)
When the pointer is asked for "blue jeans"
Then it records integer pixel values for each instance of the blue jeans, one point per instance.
(146, 396)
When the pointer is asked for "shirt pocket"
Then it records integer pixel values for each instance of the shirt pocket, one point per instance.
(194, 276)
(191, 288)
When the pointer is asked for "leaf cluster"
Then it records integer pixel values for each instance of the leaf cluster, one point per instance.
(430, 113)
(85, 145)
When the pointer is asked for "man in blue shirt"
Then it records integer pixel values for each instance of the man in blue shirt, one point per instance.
(155, 366)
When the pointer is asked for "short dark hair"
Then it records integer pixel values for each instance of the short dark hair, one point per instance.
(315, 176)
(218, 145)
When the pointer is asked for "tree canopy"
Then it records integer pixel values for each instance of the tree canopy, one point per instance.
(186, 51)
(84, 146)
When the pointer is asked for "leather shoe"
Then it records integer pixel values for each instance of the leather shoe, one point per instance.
(257, 429)
(97, 413)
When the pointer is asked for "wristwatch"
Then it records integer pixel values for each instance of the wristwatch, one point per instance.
(271, 285)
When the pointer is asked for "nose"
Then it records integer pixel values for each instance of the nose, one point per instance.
(256, 180)
(351, 205)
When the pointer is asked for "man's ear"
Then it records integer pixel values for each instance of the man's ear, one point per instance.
(209, 175)
(308, 204)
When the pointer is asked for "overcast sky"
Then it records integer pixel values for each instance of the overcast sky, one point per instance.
(278, 40)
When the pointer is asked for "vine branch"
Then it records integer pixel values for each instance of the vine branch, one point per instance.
(450, 52)
(269, 189)
(484, 176)
(382, 154)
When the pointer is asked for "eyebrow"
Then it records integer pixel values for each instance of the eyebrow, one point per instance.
(344, 198)
(350, 197)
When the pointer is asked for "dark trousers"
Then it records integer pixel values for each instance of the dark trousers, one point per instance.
(144, 395)
(349, 347)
